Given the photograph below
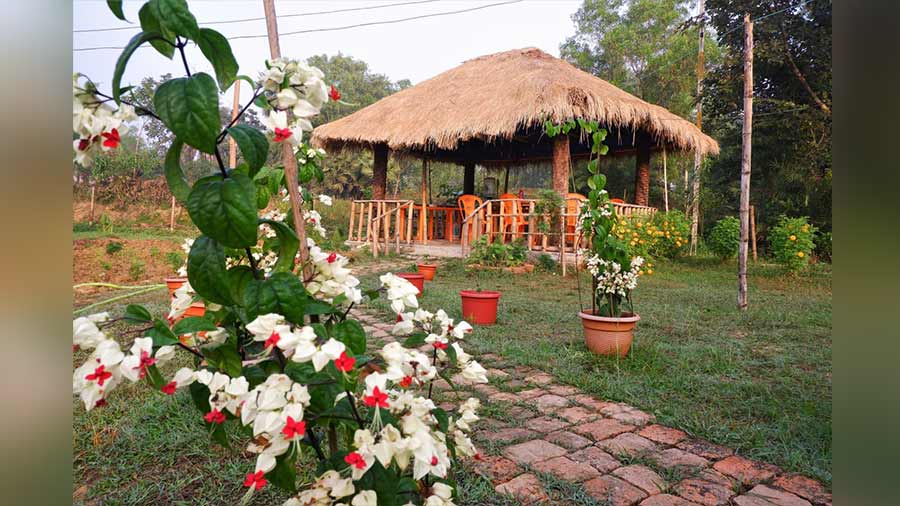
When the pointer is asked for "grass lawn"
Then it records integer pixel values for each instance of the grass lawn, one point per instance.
(758, 381)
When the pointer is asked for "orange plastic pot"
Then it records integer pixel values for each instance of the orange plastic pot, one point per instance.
(427, 270)
(174, 284)
(418, 280)
(480, 308)
(606, 335)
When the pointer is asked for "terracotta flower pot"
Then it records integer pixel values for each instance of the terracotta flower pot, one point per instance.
(480, 308)
(427, 270)
(174, 284)
(606, 335)
(418, 280)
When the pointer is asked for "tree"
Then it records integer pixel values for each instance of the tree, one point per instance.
(792, 110)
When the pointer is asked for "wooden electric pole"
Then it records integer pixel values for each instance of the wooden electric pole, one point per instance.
(694, 208)
(746, 148)
(235, 107)
(287, 156)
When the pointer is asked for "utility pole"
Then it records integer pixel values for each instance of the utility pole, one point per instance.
(746, 134)
(287, 156)
(694, 208)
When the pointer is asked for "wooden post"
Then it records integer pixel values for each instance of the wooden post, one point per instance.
(506, 181)
(350, 227)
(287, 153)
(359, 222)
(91, 215)
(409, 218)
(746, 149)
(235, 107)
(562, 237)
(172, 215)
(665, 182)
(693, 207)
(561, 161)
(379, 170)
(642, 170)
(469, 178)
(423, 215)
(753, 230)
(369, 224)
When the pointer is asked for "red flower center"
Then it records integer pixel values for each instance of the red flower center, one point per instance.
(282, 134)
(293, 428)
(83, 144)
(214, 416)
(112, 138)
(332, 257)
(344, 363)
(169, 388)
(334, 94)
(355, 460)
(406, 381)
(256, 480)
(434, 460)
(378, 398)
(273, 340)
(100, 375)
(439, 345)
(146, 361)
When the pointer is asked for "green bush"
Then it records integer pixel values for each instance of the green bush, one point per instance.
(823, 246)
(792, 241)
(725, 237)
(672, 231)
(175, 259)
(113, 247)
(497, 254)
(546, 262)
(136, 270)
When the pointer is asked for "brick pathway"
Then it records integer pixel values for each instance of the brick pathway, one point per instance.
(533, 425)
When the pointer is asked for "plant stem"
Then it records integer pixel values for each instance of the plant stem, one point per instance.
(353, 409)
(188, 348)
(314, 442)
(221, 163)
(180, 45)
(240, 113)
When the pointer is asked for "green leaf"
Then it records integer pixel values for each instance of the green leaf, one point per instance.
(161, 334)
(216, 49)
(224, 358)
(284, 476)
(281, 293)
(442, 418)
(604, 149)
(178, 184)
(116, 7)
(206, 270)
(351, 333)
(136, 313)
(262, 197)
(154, 377)
(246, 78)
(189, 107)
(287, 246)
(238, 277)
(225, 209)
(176, 16)
(191, 325)
(254, 374)
(122, 62)
(415, 340)
(254, 146)
(451, 354)
(150, 23)
(200, 396)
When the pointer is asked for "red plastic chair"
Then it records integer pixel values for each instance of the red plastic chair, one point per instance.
(512, 221)
(467, 205)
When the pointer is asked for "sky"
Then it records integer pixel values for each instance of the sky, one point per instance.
(414, 50)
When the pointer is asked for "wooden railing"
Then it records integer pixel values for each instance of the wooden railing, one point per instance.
(380, 226)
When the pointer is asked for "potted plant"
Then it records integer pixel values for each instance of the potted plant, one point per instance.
(609, 324)
(480, 306)
(416, 278)
(426, 269)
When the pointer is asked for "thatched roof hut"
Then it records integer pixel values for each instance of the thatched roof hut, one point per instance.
(490, 111)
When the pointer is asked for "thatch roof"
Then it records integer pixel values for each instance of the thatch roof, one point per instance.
(493, 97)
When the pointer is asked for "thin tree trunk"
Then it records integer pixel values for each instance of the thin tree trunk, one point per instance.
(746, 149)
(694, 210)
(665, 181)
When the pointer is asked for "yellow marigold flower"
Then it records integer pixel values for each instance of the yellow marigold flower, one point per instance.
(641, 272)
(800, 254)
(793, 237)
(805, 228)
(638, 225)
(649, 271)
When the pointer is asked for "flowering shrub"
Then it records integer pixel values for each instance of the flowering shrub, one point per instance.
(612, 265)
(725, 237)
(792, 240)
(276, 352)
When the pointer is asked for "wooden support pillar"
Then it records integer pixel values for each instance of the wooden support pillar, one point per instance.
(379, 171)
(423, 217)
(561, 161)
(642, 170)
(469, 179)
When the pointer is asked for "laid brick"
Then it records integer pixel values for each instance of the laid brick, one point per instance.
(602, 429)
(748, 472)
(540, 378)
(762, 495)
(526, 488)
(563, 390)
(531, 393)
(496, 468)
(503, 397)
(550, 403)
(673, 457)
(611, 490)
(806, 488)
(497, 373)
(533, 451)
(705, 449)
(666, 500)
(704, 492)
(628, 444)
(597, 458)
(568, 440)
(566, 469)
(507, 435)
(627, 414)
(662, 434)
(487, 390)
(590, 402)
(520, 413)
(577, 414)
(642, 477)
(714, 476)
(545, 424)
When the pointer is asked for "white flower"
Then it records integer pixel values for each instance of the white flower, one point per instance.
(85, 333)
(365, 498)
(164, 354)
(325, 200)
